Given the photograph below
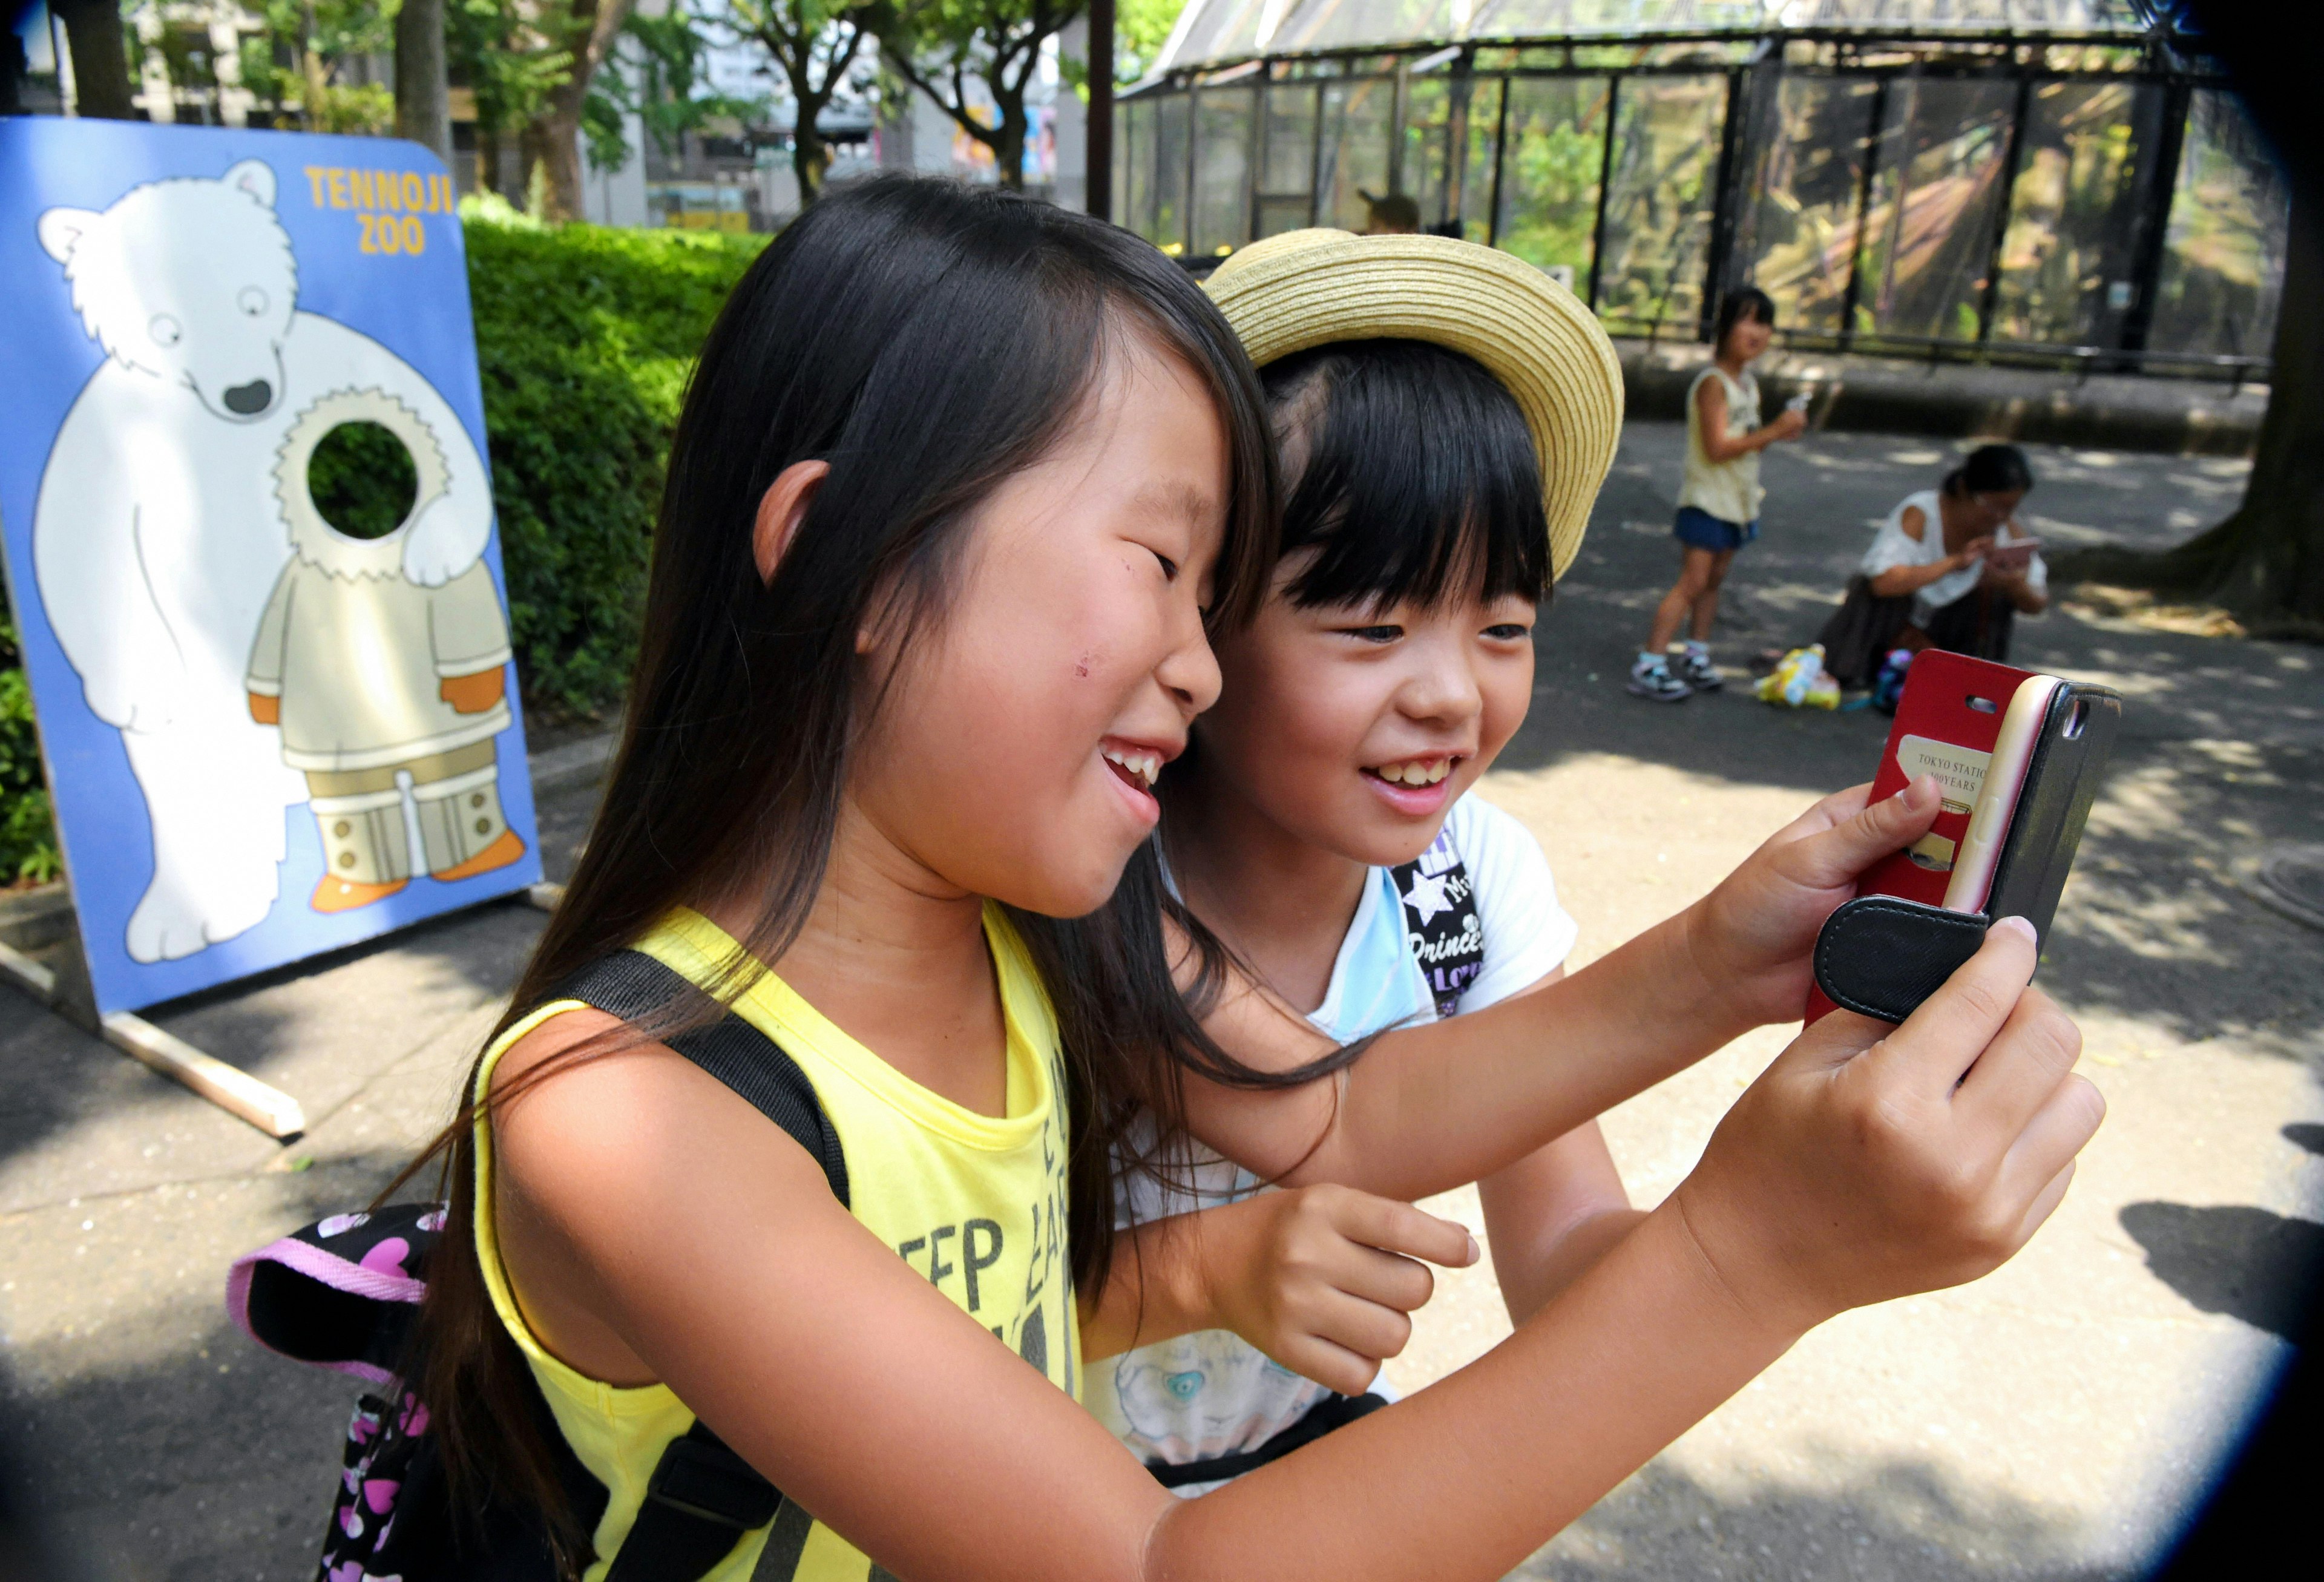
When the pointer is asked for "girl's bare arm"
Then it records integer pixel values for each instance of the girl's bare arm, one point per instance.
(1858, 1168)
(1711, 396)
(1432, 1108)
(1551, 1215)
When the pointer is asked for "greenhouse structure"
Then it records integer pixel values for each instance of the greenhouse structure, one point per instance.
(2049, 181)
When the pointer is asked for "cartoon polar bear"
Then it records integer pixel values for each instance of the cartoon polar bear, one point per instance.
(158, 535)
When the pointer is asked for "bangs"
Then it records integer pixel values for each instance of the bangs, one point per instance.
(1416, 479)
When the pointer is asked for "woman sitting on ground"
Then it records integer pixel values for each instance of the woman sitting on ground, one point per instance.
(1939, 573)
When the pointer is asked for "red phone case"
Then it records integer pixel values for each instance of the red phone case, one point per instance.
(1939, 731)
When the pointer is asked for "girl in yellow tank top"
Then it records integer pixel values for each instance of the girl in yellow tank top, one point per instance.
(976, 1203)
(960, 483)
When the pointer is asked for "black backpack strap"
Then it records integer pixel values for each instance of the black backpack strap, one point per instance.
(630, 984)
(1440, 915)
(703, 1498)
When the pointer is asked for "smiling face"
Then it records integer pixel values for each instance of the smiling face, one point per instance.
(1354, 728)
(1748, 338)
(1016, 755)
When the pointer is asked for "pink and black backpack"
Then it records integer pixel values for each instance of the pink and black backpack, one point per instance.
(342, 1295)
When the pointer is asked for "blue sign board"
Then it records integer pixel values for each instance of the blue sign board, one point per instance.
(266, 735)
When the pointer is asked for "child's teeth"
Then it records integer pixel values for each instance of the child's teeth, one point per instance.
(1417, 773)
(1147, 767)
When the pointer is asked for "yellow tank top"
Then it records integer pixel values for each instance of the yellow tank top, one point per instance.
(975, 1205)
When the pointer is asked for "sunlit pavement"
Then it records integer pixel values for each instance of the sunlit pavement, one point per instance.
(2048, 1421)
(2054, 1420)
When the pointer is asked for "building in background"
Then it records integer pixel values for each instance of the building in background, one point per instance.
(2007, 180)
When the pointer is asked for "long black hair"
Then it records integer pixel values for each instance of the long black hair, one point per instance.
(1412, 474)
(928, 340)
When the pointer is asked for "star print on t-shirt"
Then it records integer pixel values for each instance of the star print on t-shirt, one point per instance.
(1427, 897)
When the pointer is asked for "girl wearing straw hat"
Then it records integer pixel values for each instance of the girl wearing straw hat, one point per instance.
(1444, 416)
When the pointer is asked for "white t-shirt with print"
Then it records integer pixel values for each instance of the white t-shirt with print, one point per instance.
(1211, 1392)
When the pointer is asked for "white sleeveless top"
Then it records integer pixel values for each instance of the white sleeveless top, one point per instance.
(1893, 546)
(1729, 490)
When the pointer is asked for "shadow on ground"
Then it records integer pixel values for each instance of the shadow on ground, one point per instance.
(318, 1029)
(164, 1446)
(2243, 1261)
(1900, 1521)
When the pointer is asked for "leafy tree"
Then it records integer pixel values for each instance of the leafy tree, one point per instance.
(320, 38)
(817, 45)
(947, 47)
(586, 31)
(664, 89)
(531, 64)
(510, 67)
(1141, 29)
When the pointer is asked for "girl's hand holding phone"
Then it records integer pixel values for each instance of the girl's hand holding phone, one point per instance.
(1970, 553)
(1752, 941)
(1871, 1162)
(1323, 1278)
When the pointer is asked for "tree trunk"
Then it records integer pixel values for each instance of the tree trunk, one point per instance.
(100, 58)
(488, 160)
(554, 135)
(1008, 138)
(423, 98)
(810, 157)
(2270, 559)
(554, 149)
(1097, 184)
(12, 73)
(2265, 563)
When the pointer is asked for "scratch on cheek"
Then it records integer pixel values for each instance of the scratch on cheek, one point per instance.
(1082, 665)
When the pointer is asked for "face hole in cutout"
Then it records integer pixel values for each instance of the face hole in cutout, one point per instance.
(1983, 705)
(363, 480)
(2076, 718)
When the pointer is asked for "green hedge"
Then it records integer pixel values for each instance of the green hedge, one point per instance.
(27, 842)
(585, 338)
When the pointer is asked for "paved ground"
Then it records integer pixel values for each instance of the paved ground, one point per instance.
(2048, 1422)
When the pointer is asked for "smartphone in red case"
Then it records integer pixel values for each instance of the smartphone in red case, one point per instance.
(2021, 758)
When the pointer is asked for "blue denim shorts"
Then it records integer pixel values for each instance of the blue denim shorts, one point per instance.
(1697, 527)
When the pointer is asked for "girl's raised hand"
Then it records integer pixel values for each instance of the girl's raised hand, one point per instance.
(1323, 1278)
(1869, 1162)
(1752, 940)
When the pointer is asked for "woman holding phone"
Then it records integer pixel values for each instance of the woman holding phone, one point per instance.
(1949, 569)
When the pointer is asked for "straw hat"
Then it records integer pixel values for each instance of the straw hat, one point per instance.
(1306, 288)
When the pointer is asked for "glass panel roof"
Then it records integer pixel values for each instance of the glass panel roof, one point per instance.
(1236, 30)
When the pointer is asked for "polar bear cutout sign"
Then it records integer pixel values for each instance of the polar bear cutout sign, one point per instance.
(160, 532)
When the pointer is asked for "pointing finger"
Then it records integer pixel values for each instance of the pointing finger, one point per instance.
(1399, 1227)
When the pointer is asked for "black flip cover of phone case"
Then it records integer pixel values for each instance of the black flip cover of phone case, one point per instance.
(1882, 955)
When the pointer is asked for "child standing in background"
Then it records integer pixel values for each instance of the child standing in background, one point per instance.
(1719, 502)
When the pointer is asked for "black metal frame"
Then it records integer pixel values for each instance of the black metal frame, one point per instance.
(1754, 65)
